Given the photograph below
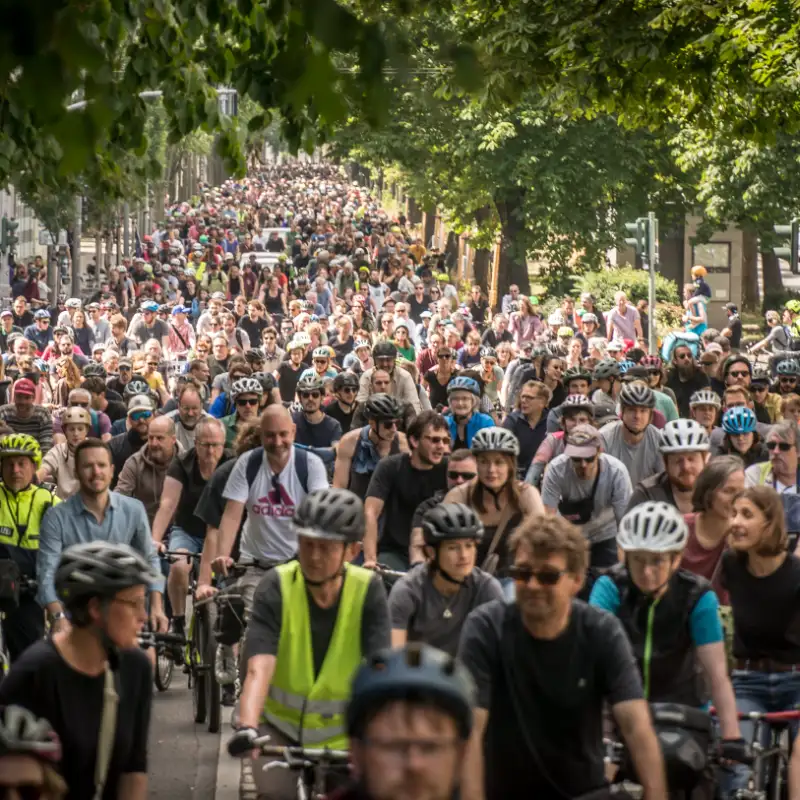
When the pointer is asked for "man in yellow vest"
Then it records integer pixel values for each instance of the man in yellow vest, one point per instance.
(313, 622)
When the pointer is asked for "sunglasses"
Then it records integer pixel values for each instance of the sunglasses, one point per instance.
(757, 388)
(79, 405)
(782, 446)
(788, 379)
(138, 416)
(545, 577)
(437, 439)
(683, 356)
(306, 395)
(460, 476)
(738, 373)
(350, 389)
(389, 423)
(251, 401)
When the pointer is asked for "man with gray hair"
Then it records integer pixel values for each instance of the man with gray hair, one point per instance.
(780, 471)
(144, 472)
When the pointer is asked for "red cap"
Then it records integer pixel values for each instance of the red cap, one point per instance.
(25, 386)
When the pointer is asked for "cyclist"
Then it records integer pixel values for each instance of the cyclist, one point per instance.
(402, 701)
(401, 384)
(58, 466)
(545, 667)
(766, 404)
(431, 602)
(781, 471)
(605, 385)
(704, 407)
(788, 371)
(360, 450)
(762, 580)
(314, 428)
(634, 439)
(498, 497)
(463, 418)
(685, 448)
(30, 752)
(575, 410)
(576, 380)
(124, 445)
(670, 615)
(313, 621)
(67, 679)
(246, 395)
(528, 422)
(741, 437)
(23, 505)
(343, 405)
(269, 482)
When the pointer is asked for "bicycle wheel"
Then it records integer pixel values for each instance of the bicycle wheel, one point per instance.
(209, 663)
(199, 637)
(164, 668)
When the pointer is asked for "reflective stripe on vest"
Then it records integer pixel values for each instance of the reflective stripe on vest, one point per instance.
(764, 470)
(309, 710)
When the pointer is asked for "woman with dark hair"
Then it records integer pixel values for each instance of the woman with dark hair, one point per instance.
(525, 324)
(552, 371)
(763, 582)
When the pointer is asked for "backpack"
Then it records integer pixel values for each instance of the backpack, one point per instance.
(300, 464)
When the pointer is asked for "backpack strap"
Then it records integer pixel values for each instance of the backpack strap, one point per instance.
(301, 467)
(255, 460)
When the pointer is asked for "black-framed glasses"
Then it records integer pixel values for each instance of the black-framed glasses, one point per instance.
(738, 373)
(784, 447)
(683, 356)
(545, 577)
(351, 389)
(757, 388)
(246, 401)
(313, 395)
(788, 379)
(460, 476)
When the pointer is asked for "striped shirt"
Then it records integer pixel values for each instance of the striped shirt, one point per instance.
(39, 424)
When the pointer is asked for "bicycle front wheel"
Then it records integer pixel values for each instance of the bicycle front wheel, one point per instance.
(209, 664)
(164, 668)
(199, 637)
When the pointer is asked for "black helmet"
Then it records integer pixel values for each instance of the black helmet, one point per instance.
(450, 521)
(384, 350)
(335, 514)
(135, 386)
(576, 402)
(637, 395)
(345, 379)
(382, 407)
(576, 373)
(100, 569)
(94, 370)
(416, 671)
(266, 379)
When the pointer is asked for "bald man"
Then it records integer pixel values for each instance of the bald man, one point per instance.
(144, 472)
(269, 482)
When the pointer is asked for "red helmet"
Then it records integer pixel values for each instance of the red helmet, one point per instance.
(652, 362)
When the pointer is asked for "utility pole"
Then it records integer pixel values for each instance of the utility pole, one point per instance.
(644, 240)
(126, 230)
(76, 247)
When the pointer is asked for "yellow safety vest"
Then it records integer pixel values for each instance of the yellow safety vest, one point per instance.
(21, 516)
(308, 709)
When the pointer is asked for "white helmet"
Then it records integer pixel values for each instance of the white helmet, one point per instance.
(246, 385)
(684, 436)
(705, 397)
(653, 527)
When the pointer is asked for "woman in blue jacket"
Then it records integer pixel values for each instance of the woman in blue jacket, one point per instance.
(463, 417)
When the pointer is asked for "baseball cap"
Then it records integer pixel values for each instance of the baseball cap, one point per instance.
(126, 362)
(139, 402)
(6, 312)
(24, 386)
(218, 296)
(583, 442)
(179, 310)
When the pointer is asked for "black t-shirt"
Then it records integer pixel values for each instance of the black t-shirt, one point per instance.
(264, 627)
(545, 698)
(684, 391)
(186, 471)
(416, 307)
(115, 410)
(402, 488)
(342, 348)
(211, 505)
(319, 434)
(22, 320)
(735, 325)
(766, 610)
(253, 328)
(288, 377)
(437, 392)
(478, 311)
(491, 339)
(334, 410)
(72, 702)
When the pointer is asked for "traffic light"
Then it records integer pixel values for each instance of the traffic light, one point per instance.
(643, 239)
(8, 236)
(790, 253)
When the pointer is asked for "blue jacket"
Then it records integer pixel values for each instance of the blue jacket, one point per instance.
(478, 421)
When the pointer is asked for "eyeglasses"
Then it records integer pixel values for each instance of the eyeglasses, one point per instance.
(312, 395)
(138, 416)
(248, 401)
(756, 388)
(782, 446)
(210, 445)
(788, 379)
(389, 423)
(400, 749)
(460, 476)
(137, 605)
(437, 439)
(545, 577)
(738, 373)
(350, 389)
(79, 405)
(683, 356)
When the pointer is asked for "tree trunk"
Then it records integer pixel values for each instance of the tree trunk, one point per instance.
(430, 226)
(414, 212)
(749, 269)
(771, 271)
(482, 264)
(513, 264)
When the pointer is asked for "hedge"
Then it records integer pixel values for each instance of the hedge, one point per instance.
(634, 282)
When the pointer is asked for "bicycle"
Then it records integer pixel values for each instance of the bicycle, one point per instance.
(165, 664)
(27, 586)
(314, 764)
(389, 576)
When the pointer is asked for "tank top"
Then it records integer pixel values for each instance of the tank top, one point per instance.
(359, 481)
(274, 305)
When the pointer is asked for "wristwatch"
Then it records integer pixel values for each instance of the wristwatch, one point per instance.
(59, 615)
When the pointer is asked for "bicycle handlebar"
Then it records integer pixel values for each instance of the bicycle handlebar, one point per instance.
(390, 573)
(765, 716)
(150, 639)
(294, 756)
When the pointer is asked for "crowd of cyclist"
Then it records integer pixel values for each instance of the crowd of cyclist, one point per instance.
(287, 381)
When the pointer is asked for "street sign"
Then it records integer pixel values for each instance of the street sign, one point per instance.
(45, 240)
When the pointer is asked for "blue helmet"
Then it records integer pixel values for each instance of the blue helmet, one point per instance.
(464, 384)
(624, 366)
(739, 420)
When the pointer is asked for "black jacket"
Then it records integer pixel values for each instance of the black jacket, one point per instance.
(123, 446)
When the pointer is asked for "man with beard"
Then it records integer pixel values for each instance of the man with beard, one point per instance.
(315, 428)
(270, 483)
(140, 413)
(634, 440)
(399, 484)
(66, 347)
(401, 386)
(343, 405)
(685, 447)
(94, 514)
(189, 411)
(144, 472)
(685, 378)
(545, 667)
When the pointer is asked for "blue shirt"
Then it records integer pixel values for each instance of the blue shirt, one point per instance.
(705, 626)
(125, 522)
